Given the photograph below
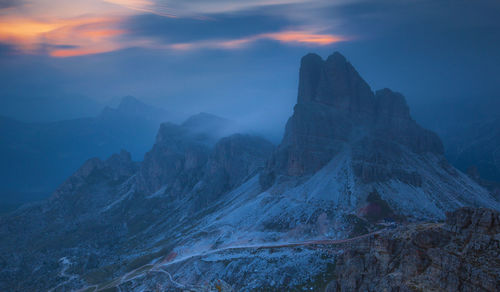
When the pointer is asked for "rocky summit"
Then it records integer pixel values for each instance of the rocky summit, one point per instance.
(373, 141)
(335, 107)
(338, 205)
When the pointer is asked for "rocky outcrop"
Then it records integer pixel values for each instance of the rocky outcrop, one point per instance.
(333, 82)
(392, 121)
(460, 255)
(239, 156)
(183, 159)
(178, 158)
(116, 168)
(336, 107)
(176, 161)
(234, 160)
(363, 141)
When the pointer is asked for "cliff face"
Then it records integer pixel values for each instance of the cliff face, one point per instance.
(370, 141)
(335, 106)
(184, 162)
(234, 160)
(460, 255)
(175, 157)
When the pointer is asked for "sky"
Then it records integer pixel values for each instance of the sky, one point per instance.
(239, 59)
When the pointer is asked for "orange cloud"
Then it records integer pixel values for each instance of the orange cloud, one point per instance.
(84, 35)
(213, 44)
(182, 46)
(236, 44)
(18, 28)
(89, 34)
(144, 6)
(62, 28)
(304, 37)
(78, 52)
(23, 33)
(298, 37)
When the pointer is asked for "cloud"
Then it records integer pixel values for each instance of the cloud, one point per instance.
(175, 30)
(305, 37)
(230, 30)
(9, 3)
(297, 37)
(62, 38)
(144, 6)
(98, 26)
(201, 8)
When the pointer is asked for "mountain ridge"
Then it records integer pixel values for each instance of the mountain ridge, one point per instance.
(40, 156)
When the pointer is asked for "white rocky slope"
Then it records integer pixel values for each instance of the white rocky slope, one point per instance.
(246, 240)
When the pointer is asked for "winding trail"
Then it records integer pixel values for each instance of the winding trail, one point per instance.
(161, 265)
(308, 243)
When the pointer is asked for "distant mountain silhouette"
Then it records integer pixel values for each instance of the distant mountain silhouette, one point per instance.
(37, 157)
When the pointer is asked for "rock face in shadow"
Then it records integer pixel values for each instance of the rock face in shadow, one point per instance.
(460, 255)
(184, 161)
(175, 158)
(234, 160)
(115, 169)
(335, 107)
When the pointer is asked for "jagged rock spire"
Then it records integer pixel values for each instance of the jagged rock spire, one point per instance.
(336, 107)
(333, 82)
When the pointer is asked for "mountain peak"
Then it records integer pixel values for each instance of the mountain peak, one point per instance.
(131, 107)
(333, 82)
(311, 68)
(129, 99)
(338, 57)
(392, 103)
(209, 127)
(132, 104)
(337, 109)
(202, 117)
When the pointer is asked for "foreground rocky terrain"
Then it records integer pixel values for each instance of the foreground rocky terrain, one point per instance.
(461, 254)
(206, 210)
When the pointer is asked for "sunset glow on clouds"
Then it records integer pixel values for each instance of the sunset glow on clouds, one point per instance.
(61, 38)
(73, 28)
(304, 37)
(290, 37)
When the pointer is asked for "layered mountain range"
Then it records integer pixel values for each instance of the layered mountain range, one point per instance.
(37, 157)
(206, 211)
